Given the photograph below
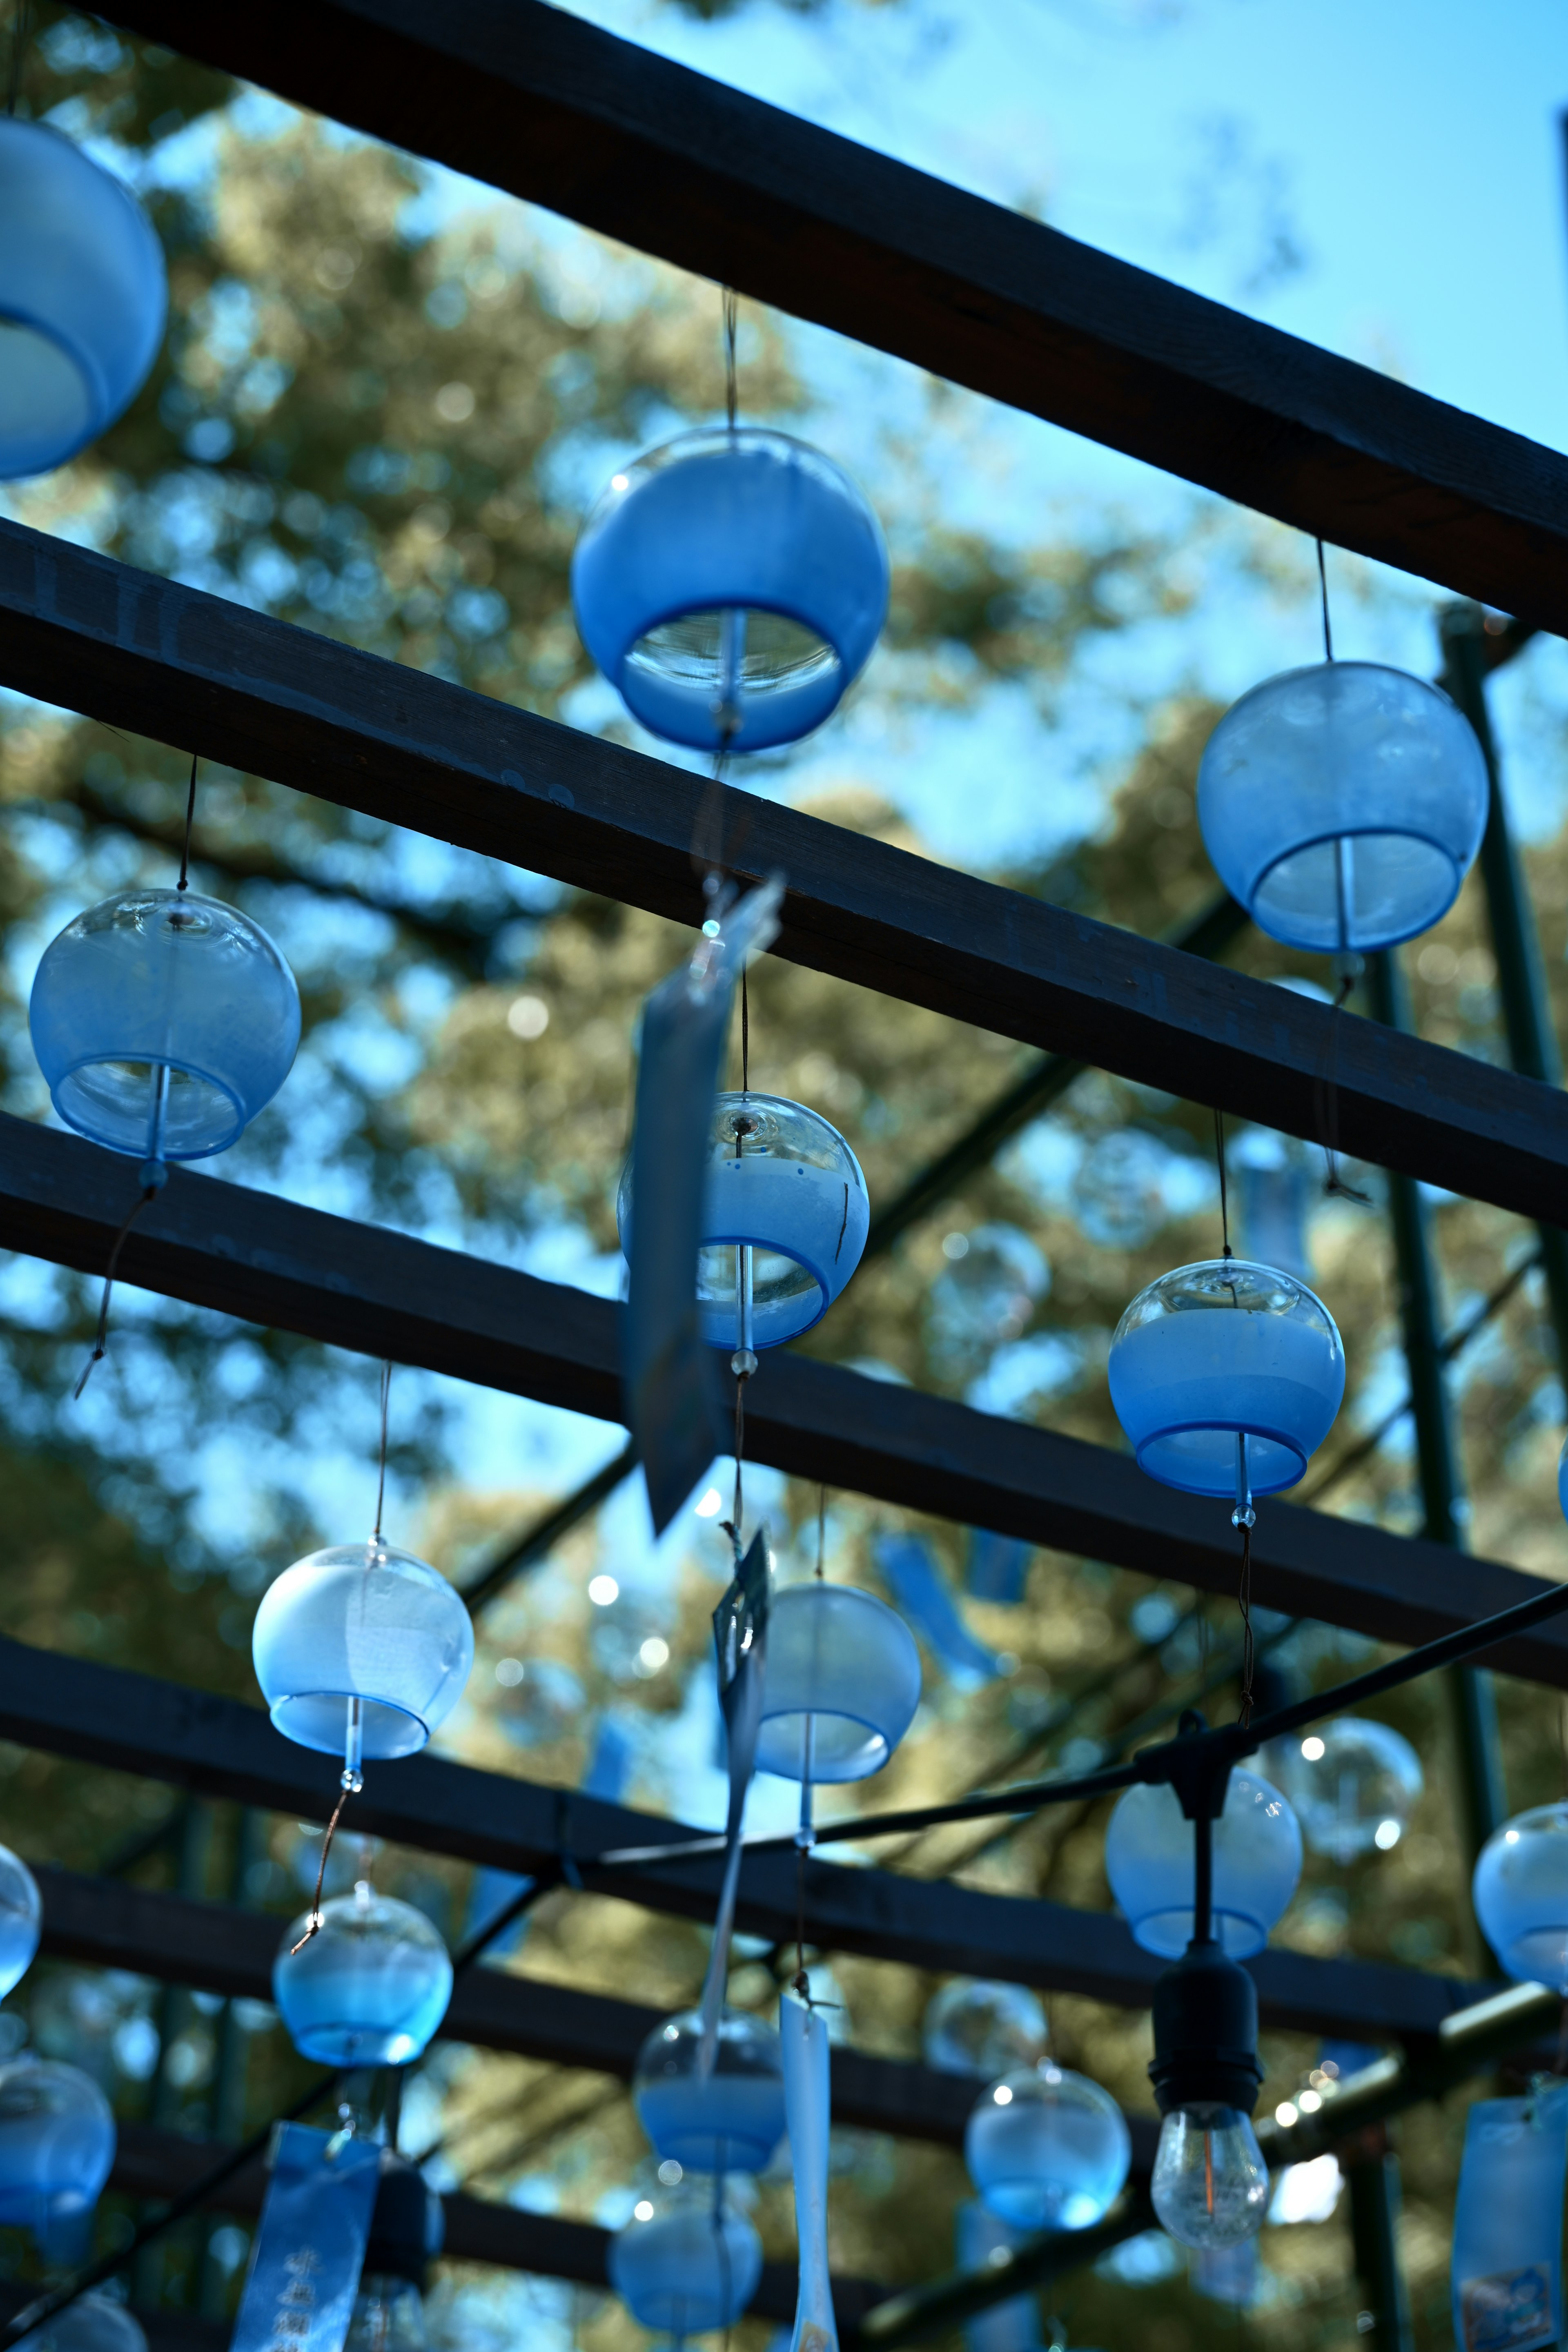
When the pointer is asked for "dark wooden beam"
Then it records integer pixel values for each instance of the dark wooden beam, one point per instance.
(216, 1748)
(531, 100)
(208, 675)
(271, 1261)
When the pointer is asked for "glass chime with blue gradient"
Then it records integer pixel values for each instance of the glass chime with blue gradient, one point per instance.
(93, 2323)
(730, 586)
(1351, 1784)
(688, 2268)
(1520, 1894)
(1150, 1863)
(1048, 2150)
(57, 2144)
(21, 1920)
(726, 2118)
(83, 298)
(842, 1685)
(1343, 806)
(369, 1989)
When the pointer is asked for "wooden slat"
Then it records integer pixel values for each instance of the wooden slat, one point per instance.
(81, 630)
(531, 100)
(358, 1287)
(216, 1748)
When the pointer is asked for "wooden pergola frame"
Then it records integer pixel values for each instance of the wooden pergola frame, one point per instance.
(537, 103)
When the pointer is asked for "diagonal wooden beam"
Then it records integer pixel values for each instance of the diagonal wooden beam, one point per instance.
(169, 662)
(531, 100)
(385, 1295)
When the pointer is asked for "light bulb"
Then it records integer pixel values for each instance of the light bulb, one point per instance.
(1211, 2185)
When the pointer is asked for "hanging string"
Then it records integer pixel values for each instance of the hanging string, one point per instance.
(1324, 590)
(19, 51)
(313, 1926)
(730, 392)
(99, 1345)
(821, 1529)
(745, 1036)
(381, 1476)
(183, 883)
(1245, 1596)
(1226, 1253)
(735, 1519)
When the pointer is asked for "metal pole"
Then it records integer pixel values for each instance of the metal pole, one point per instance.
(1442, 1490)
(174, 2014)
(1374, 2236)
(233, 2059)
(1522, 984)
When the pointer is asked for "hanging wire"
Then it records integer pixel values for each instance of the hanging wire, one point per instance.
(732, 397)
(1324, 590)
(19, 33)
(1244, 1594)
(100, 1344)
(183, 883)
(745, 1036)
(1227, 1251)
(315, 1923)
(821, 1529)
(381, 1474)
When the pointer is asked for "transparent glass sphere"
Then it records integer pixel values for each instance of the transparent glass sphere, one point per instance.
(163, 1022)
(93, 2323)
(1222, 1349)
(388, 2315)
(784, 1218)
(83, 298)
(57, 2141)
(842, 1685)
(1048, 2150)
(975, 2027)
(21, 1919)
(729, 2120)
(730, 585)
(369, 1989)
(1521, 1894)
(1343, 806)
(1351, 1784)
(1148, 1859)
(1210, 2186)
(683, 2270)
(367, 1621)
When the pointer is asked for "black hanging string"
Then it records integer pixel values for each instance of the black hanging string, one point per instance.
(184, 880)
(745, 1036)
(19, 30)
(313, 1925)
(1324, 590)
(100, 1344)
(732, 397)
(381, 1476)
(821, 1529)
(1244, 1595)
(1228, 1253)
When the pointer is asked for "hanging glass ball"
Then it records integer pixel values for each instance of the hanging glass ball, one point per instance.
(974, 2027)
(1351, 1784)
(93, 2323)
(1149, 1860)
(1343, 806)
(1048, 2150)
(369, 1989)
(367, 1621)
(163, 1022)
(841, 1686)
(784, 1216)
(83, 298)
(1521, 1894)
(21, 1919)
(57, 2141)
(729, 2120)
(730, 586)
(1221, 1351)
(683, 2270)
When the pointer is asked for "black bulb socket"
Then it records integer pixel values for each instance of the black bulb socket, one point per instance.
(1205, 2033)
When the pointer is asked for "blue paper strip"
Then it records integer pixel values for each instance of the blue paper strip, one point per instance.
(1508, 2224)
(920, 1591)
(305, 2267)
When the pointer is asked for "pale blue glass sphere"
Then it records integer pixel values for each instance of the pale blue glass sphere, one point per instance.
(975, 2026)
(729, 2120)
(1149, 1860)
(784, 1218)
(93, 2323)
(83, 297)
(1521, 1894)
(840, 1685)
(1048, 2150)
(369, 1989)
(730, 585)
(1344, 806)
(163, 1022)
(1351, 1784)
(684, 2270)
(21, 1919)
(368, 1622)
(1221, 1349)
(57, 2141)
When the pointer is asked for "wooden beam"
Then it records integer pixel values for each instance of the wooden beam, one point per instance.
(216, 1748)
(193, 670)
(531, 100)
(271, 1261)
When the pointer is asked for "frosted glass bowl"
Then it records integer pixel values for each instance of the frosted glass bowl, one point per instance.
(367, 1621)
(1149, 1860)
(369, 1989)
(57, 2141)
(1048, 2150)
(728, 2121)
(1520, 1892)
(842, 1683)
(683, 2270)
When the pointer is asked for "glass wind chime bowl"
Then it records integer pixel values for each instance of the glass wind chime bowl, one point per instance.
(685, 2270)
(369, 1989)
(21, 1920)
(976, 2026)
(1221, 1354)
(83, 297)
(842, 1685)
(363, 1622)
(1048, 2150)
(93, 2323)
(1351, 1784)
(1343, 806)
(730, 586)
(784, 1218)
(1521, 1892)
(57, 2141)
(1149, 1860)
(729, 2120)
(163, 1022)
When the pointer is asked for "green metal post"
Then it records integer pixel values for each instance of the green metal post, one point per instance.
(232, 2066)
(1442, 1488)
(174, 2013)
(1521, 983)
(1374, 2235)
